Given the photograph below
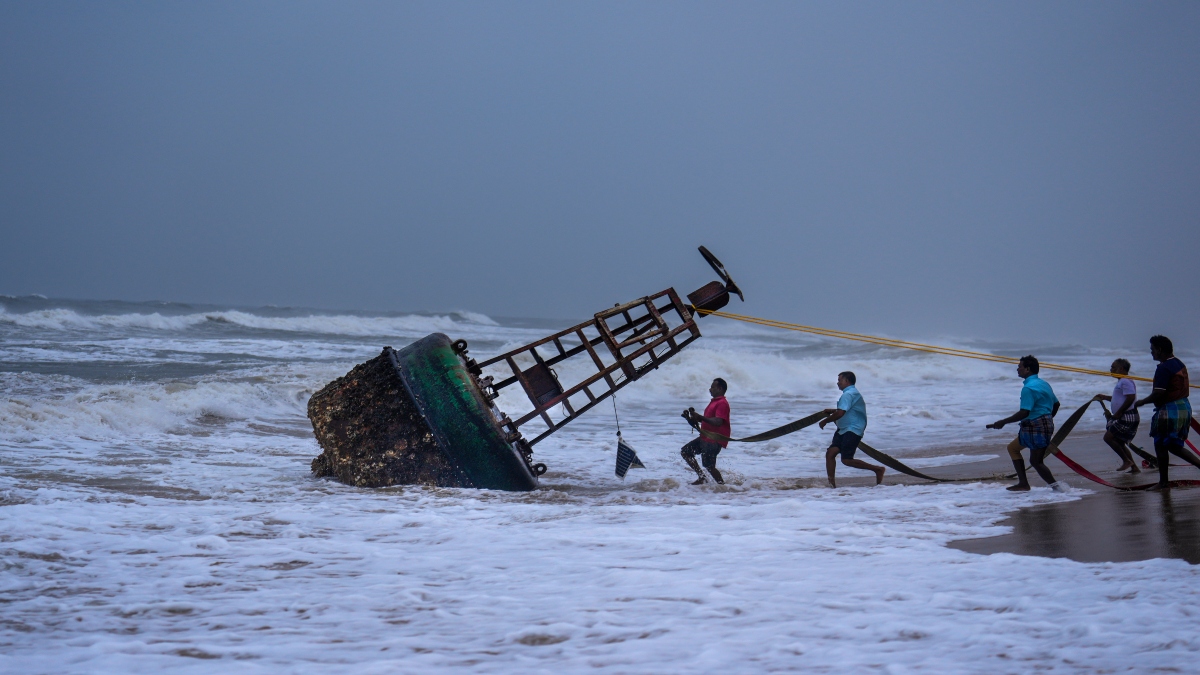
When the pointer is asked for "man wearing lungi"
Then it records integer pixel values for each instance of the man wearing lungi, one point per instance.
(1172, 411)
(1039, 405)
(1123, 421)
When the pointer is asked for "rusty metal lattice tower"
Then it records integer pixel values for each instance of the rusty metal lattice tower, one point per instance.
(621, 345)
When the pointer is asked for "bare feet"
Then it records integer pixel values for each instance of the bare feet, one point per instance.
(700, 481)
(1019, 487)
(879, 475)
(1124, 467)
(1133, 468)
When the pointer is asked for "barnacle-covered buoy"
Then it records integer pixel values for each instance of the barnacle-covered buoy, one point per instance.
(416, 416)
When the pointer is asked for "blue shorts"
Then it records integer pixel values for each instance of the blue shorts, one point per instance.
(846, 443)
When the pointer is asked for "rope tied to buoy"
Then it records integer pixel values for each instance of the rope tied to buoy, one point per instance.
(805, 422)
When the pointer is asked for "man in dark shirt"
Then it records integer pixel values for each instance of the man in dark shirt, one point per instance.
(715, 420)
(1172, 411)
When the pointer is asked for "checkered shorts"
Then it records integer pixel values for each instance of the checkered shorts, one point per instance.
(1125, 427)
(1036, 433)
(1170, 422)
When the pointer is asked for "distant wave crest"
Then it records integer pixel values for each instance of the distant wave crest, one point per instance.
(333, 324)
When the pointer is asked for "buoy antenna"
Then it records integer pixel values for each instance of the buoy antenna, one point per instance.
(715, 294)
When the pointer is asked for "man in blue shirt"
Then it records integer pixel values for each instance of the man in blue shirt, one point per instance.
(850, 416)
(1039, 405)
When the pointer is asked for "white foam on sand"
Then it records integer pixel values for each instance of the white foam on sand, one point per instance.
(168, 550)
(650, 576)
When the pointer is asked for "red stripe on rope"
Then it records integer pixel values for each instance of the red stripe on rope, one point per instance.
(1196, 428)
(1093, 477)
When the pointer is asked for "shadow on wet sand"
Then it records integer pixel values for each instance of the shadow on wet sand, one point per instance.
(1108, 525)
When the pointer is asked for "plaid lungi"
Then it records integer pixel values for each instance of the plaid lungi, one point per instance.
(1036, 433)
(1170, 422)
(1125, 427)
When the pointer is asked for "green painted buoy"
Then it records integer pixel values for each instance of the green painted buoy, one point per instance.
(416, 416)
(460, 417)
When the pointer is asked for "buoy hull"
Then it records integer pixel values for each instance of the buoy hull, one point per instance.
(414, 416)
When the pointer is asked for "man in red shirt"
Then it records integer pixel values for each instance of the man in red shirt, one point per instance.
(716, 420)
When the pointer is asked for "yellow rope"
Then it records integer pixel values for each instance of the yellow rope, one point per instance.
(917, 346)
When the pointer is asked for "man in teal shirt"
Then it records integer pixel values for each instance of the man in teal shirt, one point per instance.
(850, 416)
(1039, 405)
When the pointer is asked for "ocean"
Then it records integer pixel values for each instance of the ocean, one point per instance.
(159, 513)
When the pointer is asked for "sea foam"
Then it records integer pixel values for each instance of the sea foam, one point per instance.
(160, 515)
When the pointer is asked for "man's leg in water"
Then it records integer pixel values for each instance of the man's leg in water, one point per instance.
(1036, 458)
(845, 444)
(688, 452)
(710, 463)
(831, 463)
(859, 464)
(1014, 453)
(1118, 446)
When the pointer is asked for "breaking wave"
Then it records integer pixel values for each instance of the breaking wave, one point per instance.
(332, 324)
(40, 407)
(235, 374)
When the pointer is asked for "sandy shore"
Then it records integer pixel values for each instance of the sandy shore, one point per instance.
(1105, 526)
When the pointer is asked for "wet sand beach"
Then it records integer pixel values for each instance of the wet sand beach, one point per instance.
(1105, 526)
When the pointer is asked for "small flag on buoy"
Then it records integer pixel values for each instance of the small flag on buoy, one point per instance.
(626, 458)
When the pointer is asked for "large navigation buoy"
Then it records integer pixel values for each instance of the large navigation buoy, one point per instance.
(415, 416)
(425, 415)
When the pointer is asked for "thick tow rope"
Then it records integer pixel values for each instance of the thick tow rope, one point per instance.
(1061, 434)
(915, 346)
(789, 428)
(893, 463)
(804, 422)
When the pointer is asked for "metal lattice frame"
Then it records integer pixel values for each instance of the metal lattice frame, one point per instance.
(650, 331)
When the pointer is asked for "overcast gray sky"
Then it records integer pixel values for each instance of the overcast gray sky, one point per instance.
(1010, 169)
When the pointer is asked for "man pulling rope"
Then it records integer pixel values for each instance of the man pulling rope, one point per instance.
(714, 433)
(1172, 410)
(1039, 405)
(850, 416)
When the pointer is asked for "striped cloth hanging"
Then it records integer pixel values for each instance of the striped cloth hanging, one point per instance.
(626, 458)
